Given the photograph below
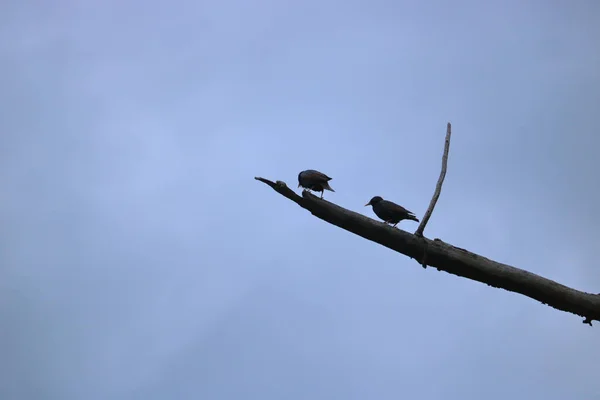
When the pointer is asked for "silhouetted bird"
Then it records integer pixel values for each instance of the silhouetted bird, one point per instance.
(390, 212)
(314, 180)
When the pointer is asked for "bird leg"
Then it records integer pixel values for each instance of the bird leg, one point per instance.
(322, 192)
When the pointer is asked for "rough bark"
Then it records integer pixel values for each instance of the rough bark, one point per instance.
(448, 258)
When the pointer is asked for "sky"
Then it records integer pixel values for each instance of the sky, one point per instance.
(139, 259)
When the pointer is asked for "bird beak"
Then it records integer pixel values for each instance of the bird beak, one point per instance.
(298, 185)
(368, 204)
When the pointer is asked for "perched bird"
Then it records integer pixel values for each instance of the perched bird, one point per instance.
(314, 180)
(390, 212)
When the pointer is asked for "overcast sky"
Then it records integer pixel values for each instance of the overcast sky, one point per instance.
(139, 259)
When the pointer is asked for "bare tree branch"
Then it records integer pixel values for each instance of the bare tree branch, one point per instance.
(448, 258)
(438, 186)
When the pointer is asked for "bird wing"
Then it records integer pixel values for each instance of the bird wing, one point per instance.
(398, 208)
(312, 174)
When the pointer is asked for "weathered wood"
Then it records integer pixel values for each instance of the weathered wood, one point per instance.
(448, 258)
(438, 186)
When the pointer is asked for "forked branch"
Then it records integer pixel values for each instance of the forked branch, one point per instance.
(444, 256)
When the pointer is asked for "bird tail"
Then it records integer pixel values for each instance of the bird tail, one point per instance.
(327, 187)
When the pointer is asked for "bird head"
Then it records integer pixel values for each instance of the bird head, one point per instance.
(374, 201)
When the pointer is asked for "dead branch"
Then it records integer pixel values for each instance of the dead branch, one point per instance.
(448, 258)
(438, 186)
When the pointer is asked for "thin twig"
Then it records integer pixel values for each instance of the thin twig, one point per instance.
(438, 186)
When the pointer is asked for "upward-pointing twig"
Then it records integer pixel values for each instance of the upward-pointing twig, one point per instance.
(438, 186)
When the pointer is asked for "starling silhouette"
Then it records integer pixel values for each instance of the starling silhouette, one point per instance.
(314, 180)
(390, 212)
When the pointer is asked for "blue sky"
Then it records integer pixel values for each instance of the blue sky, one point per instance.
(139, 259)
